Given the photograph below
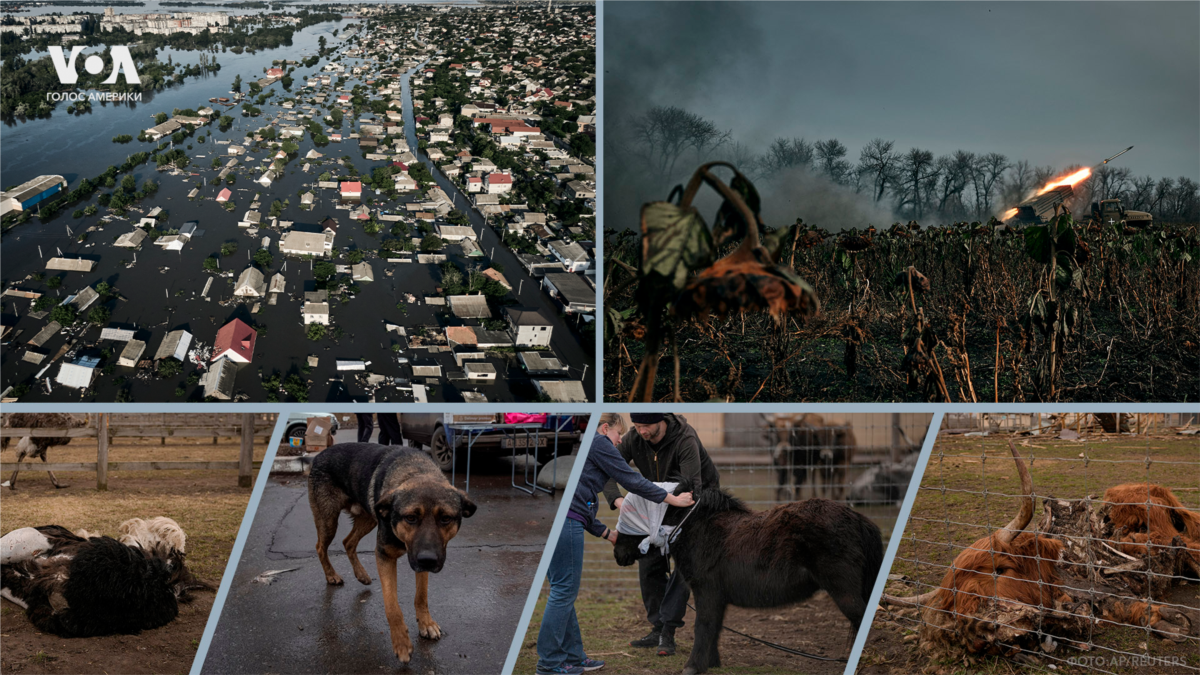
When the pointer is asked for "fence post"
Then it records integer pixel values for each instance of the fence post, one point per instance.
(102, 451)
(246, 460)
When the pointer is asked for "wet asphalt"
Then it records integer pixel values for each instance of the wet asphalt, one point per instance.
(300, 624)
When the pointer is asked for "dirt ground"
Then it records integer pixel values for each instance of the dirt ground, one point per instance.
(208, 505)
(960, 515)
(609, 622)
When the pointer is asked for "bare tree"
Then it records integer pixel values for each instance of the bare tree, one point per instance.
(1043, 175)
(1141, 192)
(667, 132)
(1016, 185)
(1112, 182)
(992, 166)
(1163, 190)
(956, 172)
(1187, 200)
(743, 157)
(878, 161)
(831, 158)
(914, 166)
(784, 154)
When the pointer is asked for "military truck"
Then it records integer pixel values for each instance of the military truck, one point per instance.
(1039, 210)
(1111, 211)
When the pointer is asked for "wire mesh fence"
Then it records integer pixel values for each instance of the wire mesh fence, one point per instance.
(865, 460)
(1098, 576)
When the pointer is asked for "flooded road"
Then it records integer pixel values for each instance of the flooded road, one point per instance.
(161, 291)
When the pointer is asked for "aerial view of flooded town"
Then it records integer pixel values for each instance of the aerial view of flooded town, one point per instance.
(292, 201)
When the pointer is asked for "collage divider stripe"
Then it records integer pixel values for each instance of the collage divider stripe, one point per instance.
(539, 577)
(239, 544)
(889, 556)
(599, 212)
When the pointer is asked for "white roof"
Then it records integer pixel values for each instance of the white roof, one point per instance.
(562, 391)
(118, 334)
(75, 376)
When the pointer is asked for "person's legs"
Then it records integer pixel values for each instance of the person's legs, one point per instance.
(389, 424)
(671, 612)
(559, 640)
(366, 425)
(674, 602)
(652, 576)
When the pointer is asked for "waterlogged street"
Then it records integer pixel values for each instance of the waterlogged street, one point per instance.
(152, 290)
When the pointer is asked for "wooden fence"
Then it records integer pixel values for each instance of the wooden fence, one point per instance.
(246, 426)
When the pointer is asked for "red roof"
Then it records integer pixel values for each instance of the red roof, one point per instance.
(235, 336)
(474, 179)
(274, 72)
(224, 195)
(499, 178)
(400, 165)
(352, 186)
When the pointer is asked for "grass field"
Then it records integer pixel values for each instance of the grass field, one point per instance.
(609, 621)
(208, 505)
(971, 487)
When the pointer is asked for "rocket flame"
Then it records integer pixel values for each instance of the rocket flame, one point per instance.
(1069, 180)
(1008, 214)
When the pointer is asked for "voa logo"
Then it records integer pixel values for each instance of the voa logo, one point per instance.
(121, 58)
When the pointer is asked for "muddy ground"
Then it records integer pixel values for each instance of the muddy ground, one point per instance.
(609, 621)
(961, 515)
(208, 505)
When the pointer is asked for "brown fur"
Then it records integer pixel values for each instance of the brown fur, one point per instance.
(400, 493)
(1144, 513)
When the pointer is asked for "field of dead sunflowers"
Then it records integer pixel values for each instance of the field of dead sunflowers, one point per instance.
(967, 312)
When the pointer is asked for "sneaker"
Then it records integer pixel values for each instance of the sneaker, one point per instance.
(666, 644)
(591, 664)
(651, 639)
(561, 670)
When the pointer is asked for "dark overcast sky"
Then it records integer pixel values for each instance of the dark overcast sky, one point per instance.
(1053, 83)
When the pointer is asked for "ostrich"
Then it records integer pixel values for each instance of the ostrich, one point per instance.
(83, 584)
(36, 446)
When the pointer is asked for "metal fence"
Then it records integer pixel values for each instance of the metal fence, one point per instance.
(1120, 597)
(865, 460)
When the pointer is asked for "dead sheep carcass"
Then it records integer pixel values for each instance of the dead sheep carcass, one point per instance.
(80, 586)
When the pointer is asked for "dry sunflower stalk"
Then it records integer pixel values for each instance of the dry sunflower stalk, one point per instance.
(679, 280)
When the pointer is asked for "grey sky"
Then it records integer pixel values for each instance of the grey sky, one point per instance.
(1052, 83)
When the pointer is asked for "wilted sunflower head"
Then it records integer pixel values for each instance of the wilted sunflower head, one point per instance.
(747, 280)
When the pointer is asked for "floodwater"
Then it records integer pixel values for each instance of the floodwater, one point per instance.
(154, 7)
(161, 291)
(80, 146)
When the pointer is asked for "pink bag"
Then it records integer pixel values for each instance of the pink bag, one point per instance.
(524, 418)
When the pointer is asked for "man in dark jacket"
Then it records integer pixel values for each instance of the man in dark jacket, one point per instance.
(664, 448)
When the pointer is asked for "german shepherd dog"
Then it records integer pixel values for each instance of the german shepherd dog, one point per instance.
(418, 511)
(730, 555)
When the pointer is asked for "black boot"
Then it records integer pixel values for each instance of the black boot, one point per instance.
(651, 640)
(666, 643)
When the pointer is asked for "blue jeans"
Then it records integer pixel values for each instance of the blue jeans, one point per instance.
(559, 640)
